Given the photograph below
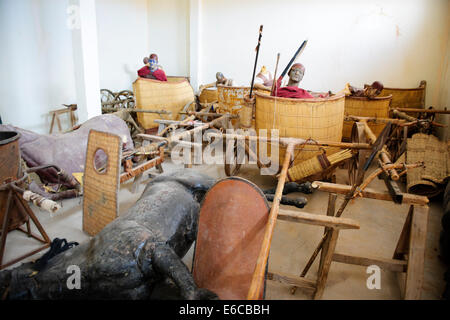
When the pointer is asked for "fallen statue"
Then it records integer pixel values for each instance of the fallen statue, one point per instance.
(131, 255)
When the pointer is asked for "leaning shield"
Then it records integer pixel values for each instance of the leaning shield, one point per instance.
(231, 228)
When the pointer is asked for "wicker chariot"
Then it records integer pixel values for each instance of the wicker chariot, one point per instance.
(171, 96)
(363, 107)
(318, 119)
(411, 98)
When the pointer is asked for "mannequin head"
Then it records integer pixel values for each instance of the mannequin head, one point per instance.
(296, 74)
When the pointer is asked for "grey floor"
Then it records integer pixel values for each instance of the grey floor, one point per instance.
(381, 223)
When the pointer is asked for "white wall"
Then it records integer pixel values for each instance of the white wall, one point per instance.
(168, 25)
(36, 62)
(397, 42)
(123, 40)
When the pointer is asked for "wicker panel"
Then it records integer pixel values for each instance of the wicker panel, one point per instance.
(172, 96)
(318, 119)
(100, 203)
(231, 100)
(429, 180)
(208, 96)
(407, 98)
(364, 107)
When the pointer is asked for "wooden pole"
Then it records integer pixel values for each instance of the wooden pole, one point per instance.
(295, 141)
(259, 273)
(274, 83)
(422, 110)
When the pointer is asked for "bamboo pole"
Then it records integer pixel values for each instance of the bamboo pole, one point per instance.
(295, 141)
(112, 109)
(259, 273)
(374, 119)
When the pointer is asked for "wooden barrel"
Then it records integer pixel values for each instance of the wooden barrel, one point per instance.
(318, 119)
(9, 170)
(364, 107)
(171, 95)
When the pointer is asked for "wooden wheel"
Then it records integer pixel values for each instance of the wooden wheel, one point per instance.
(190, 106)
(106, 96)
(124, 95)
(356, 163)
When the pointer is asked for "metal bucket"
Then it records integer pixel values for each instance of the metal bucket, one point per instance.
(9, 171)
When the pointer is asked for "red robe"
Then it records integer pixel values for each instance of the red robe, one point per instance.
(293, 92)
(158, 74)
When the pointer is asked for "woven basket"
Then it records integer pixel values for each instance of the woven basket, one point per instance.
(231, 100)
(407, 98)
(318, 119)
(171, 96)
(364, 107)
(208, 95)
(429, 180)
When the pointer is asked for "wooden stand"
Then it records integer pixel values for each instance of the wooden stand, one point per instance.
(332, 227)
(56, 113)
(15, 202)
(408, 256)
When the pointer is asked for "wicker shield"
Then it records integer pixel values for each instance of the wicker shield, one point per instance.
(231, 228)
(101, 181)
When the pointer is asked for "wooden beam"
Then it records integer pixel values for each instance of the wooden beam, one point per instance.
(369, 193)
(416, 254)
(332, 238)
(422, 110)
(317, 219)
(388, 264)
(291, 280)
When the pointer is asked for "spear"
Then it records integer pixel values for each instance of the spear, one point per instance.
(256, 59)
(296, 55)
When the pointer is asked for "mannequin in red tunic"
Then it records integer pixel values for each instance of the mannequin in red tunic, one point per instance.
(152, 70)
(292, 90)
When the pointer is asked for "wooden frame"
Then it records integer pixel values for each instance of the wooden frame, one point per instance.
(409, 254)
(55, 116)
(15, 199)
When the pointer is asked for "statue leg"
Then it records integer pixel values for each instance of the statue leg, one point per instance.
(167, 263)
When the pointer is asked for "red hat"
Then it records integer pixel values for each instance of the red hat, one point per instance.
(298, 66)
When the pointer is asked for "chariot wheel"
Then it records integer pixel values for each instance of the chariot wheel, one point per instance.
(190, 106)
(356, 163)
(106, 96)
(121, 98)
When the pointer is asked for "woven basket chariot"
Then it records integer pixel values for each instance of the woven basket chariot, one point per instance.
(361, 106)
(171, 96)
(319, 119)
